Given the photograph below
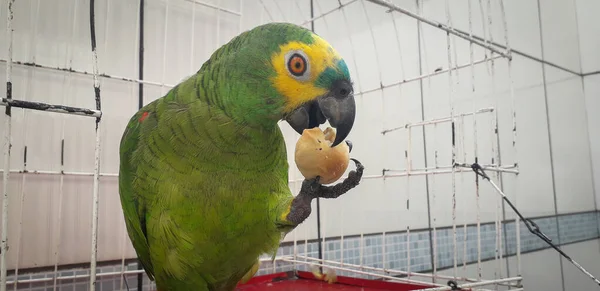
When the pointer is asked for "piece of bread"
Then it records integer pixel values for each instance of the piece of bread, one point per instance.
(315, 157)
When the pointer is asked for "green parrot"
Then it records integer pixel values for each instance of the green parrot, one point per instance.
(203, 176)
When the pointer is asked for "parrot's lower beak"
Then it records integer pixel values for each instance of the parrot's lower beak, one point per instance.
(337, 107)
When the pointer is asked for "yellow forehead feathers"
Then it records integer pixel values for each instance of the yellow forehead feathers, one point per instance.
(301, 89)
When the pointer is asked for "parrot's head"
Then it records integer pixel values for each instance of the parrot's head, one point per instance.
(314, 81)
(286, 72)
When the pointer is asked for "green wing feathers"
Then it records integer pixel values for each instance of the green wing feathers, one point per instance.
(134, 209)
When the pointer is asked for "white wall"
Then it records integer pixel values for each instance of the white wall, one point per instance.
(553, 145)
(592, 100)
(534, 276)
(541, 270)
(587, 255)
(588, 35)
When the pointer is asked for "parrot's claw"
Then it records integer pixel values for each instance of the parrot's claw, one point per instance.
(300, 207)
(359, 166)
(313, 189)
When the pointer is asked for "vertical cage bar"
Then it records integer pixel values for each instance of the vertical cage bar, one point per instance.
(137, 64)
(140, 276)
(241, 25)
(67, 86)
(94, 252)
(377, 61)
(218, 37)
(352, 45)
(499, 201)
(462, 182)
(306, 254)
(141, 55)
(384, 151)
(318, 201)
(423, 62)
(484, 29)
(408, 156)
(25, 135)
(495, 148)
(383, 254)
(514, 130)
(342, 237)
(453, 123)
(475, 138)
(283, 16)
(478, 228)
(295, 232)
(453, 39)
(60, 200)
(265, 10)
(434, 220)
(379, 71)
(475, 153)
(402, 74)
(341, 213)
(357, 84)
(299, 10)
(510, 80)
(7, 145)
(192, 38)
(164, 58)
(296, 183)
(423, 48)
(324, 237)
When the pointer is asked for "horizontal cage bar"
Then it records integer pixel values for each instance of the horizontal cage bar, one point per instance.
(438, 120)
(51, 108)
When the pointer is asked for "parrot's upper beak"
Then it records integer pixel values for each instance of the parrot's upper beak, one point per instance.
(337, 107)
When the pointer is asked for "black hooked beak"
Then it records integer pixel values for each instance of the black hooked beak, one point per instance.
(337, 107)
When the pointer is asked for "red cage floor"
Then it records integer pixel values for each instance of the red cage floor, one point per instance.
(306, 281)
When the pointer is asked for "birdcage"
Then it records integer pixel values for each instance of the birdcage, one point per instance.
(436, 129)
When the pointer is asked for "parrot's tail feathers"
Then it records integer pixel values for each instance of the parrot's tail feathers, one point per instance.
(250, 273)
(273, 253)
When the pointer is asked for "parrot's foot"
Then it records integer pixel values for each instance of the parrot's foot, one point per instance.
(311, 189)
(329, 275)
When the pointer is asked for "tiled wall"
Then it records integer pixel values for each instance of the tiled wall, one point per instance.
(572, 228)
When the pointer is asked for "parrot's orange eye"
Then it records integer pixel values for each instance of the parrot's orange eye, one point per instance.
(297, 65)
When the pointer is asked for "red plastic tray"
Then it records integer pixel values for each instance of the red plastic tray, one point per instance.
(306, 281)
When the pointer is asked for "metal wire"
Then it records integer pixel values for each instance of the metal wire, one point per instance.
(530, 224)
(446, 28)
(7, 146)
(25, 131)
(67, 86)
